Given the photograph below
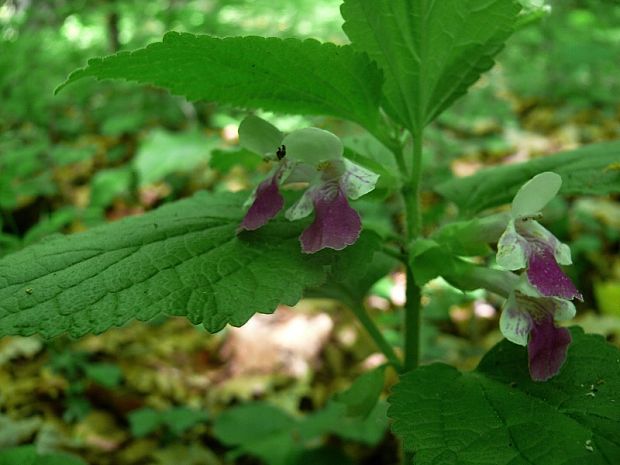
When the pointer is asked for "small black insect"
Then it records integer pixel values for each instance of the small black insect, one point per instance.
(281, 153)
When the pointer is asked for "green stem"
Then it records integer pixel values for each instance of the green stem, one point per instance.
(393, 252)
(412, 322)
(411, 195)
(377, 337)
(414, 215)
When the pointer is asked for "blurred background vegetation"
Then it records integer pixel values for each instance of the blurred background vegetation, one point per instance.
(167, 392)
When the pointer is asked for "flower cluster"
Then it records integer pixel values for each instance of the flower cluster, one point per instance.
(545, 293)
(314, 157)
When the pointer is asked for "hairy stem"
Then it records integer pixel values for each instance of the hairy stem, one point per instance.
(377, 336)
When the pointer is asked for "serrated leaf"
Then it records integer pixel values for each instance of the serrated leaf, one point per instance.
(590, 170)
(430, 51)
(182, 259)
(282, 75)
(496, 415)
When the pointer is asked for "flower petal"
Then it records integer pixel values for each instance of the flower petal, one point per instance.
(564, 310)
(259, 136)
(267, 204)
(303, 207)
(547, 349)
(511, 249)
(514, 323)
(535, 194)
(534, 232)
(357, 180)
(312, 146)
(546, 275)
(335, 225)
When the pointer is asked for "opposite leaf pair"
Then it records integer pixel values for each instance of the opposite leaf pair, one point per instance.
(544, 294)
(313, 157)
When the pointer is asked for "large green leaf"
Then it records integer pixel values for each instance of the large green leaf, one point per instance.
(431, 51)
(283, 75)
(496, 415)
(182, 259)
(590, 170)
(163, 153)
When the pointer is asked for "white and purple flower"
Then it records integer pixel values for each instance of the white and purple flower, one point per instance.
(314, 157)
(545, 293)
(528, 319)
(526, 244)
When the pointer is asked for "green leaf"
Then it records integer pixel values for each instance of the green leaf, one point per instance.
(430, 51)
(178, 420)
(281, 75)
(496, 415)
(354, 261)
(224, 160)
(355, 270)
(144, 421)
(429, 259)
(182, 259)
(360, 399)
(27, 455)
(109, 184)
(472, 237)
(590, 170)
(163, 153)
(333, 420)
(251, 422)
(106, 374)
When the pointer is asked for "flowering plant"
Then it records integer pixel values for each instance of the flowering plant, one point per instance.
(218, 260)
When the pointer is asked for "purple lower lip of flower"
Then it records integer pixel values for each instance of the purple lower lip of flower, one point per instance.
(547, 277)
(336, 225)
(547, 349)
(267, 204)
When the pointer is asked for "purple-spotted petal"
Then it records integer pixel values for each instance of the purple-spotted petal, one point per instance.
(267, 203)
(547, 277)
(336, 225)
(547, 349)
(515, 323)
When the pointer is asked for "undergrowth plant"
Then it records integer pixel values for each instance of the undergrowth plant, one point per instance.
(547, 394)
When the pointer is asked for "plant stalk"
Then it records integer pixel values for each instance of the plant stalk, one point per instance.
(376, 335)
(413, 221)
